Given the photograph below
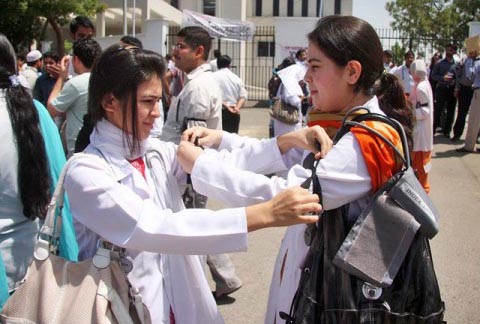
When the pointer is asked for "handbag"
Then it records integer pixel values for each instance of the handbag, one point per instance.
(284, 112)
(360, 271)
(56, 290)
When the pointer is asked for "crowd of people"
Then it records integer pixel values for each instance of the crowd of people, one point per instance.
(142, 122)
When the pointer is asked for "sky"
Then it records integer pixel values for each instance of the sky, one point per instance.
(372, 11)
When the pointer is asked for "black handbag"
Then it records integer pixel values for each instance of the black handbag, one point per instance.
(330, 292)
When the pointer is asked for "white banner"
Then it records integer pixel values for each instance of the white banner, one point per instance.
(219, 27)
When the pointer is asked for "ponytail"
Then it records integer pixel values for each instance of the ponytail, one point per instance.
(33, 172)
(391, 98)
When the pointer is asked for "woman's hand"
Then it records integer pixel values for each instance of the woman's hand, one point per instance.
(308, 138)
(289, 207)
(187, 154)
(203, 136)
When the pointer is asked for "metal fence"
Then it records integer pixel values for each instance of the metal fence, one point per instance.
(255, 65)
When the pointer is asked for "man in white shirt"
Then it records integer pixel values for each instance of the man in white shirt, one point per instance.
(34, 64)
(403, 73)
(198, 104)
(234, 94)
(71, 97)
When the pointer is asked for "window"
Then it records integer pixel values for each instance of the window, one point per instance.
(209, 7)
(174, 3)
(304, 8)
(338, 7)
(290, 8)
(276, 8)
(266, 49)
(258, 8)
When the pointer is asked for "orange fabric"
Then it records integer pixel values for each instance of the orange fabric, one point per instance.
(330, 122)
(419, 160)
(381, 160)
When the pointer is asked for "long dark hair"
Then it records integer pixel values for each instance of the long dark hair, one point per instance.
(33, 172)
(346, 38)
(120, 70)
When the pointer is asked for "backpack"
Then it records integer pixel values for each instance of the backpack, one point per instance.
(336, 287)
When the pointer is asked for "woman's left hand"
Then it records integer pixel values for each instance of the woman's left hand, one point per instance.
(313, 139)
(187, 154)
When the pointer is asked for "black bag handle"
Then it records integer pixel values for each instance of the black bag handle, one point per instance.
(357, 122)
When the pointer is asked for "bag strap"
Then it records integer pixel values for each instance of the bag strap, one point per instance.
(358, 122)
(49, 233)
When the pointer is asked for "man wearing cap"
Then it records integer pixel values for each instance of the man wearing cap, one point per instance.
(34, 64)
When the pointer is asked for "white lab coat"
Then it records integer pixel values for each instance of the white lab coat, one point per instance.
(343, 176)
(148, 218)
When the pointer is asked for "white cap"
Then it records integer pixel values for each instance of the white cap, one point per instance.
(418, 68)
(33, 56)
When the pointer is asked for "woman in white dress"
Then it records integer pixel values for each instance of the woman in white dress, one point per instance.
(126, 191)
(345, 71)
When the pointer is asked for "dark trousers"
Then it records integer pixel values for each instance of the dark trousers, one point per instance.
(230, 121)
(445, 100)
(464, 99)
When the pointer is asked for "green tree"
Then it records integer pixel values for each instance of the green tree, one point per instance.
(25, 20)
(439, 21)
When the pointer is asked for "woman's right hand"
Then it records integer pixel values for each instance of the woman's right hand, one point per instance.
(203, 136)
(290, 207)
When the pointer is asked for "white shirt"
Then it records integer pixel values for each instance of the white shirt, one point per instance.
(231, 86)
(31, 75)
(200, 98)
(148, 218)
(343, 175)
(421, 98)
(403, 73)
(73, 100)
(17, 233)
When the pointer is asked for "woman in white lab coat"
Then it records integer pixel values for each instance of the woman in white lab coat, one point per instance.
(125, 191)
(345, 71)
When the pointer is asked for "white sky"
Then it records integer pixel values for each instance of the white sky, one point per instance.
(372, 11)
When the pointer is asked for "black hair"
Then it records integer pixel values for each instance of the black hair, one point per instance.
(196, 36)
(87, 50)
(285, 63)
(53, 55)
(224, 61)
(33, 171)
(80, 21)
(168, 57)
(346, 38)
(409, 53)
(133, 41)
(217, 53)
(300, 52)
(119, 71)
(21, 56)
(388, 53)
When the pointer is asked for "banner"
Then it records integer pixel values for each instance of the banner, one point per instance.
(219, 27)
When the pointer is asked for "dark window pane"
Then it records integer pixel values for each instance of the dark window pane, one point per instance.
(266, 49)
(290, 8)
(209, 7)
(174, 3)
(276, 8)
(258, 8)
(304, 8)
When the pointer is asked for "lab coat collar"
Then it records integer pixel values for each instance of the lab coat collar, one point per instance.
(108, 140)
(198, 70)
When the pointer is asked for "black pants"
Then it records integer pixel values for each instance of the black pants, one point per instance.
(230, 121)
(464, 99)
(445, 100)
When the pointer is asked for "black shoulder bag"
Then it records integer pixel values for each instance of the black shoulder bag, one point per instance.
(377, 268)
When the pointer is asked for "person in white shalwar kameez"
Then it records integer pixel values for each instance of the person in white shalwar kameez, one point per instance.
(125, 190)
(339, 80)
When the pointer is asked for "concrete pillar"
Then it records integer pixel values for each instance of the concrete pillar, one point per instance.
(125, 26)
(100, 25)
(154, 33)
(146, 6)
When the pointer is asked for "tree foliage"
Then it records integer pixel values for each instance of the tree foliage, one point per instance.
(22, 21)
(437, 21)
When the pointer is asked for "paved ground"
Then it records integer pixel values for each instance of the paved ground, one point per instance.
(455, 181)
